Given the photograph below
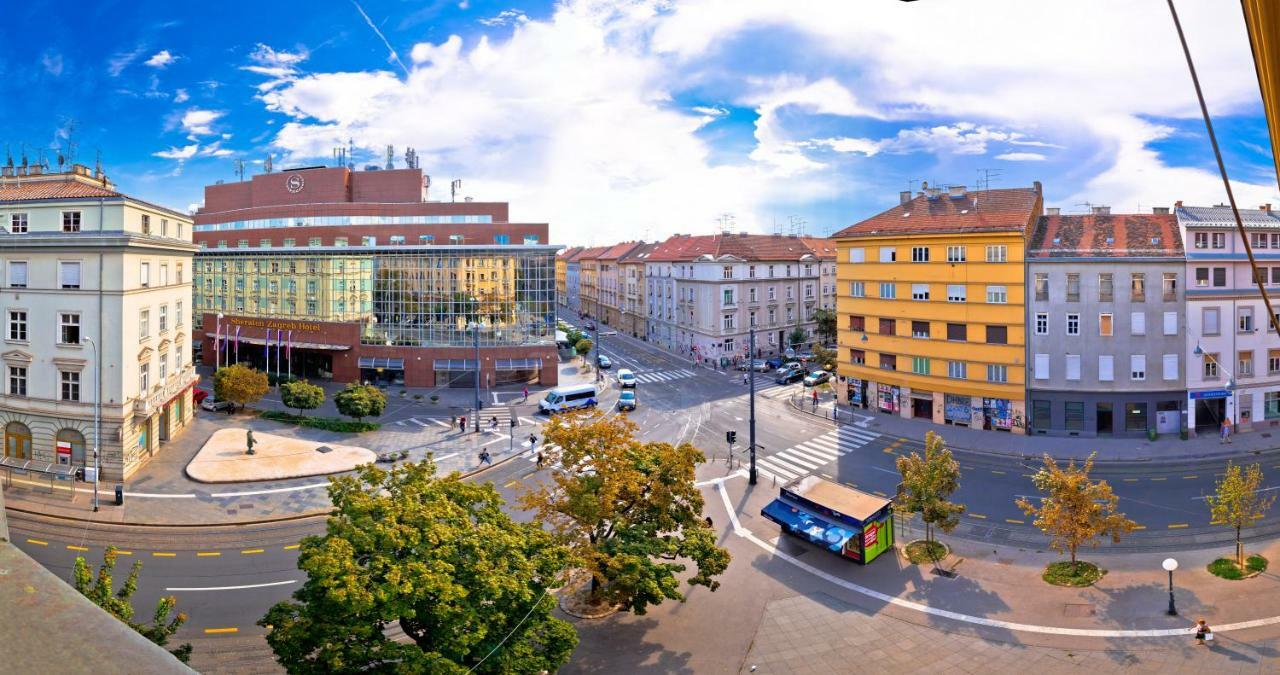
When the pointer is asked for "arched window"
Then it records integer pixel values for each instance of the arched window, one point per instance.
(17, 441)
(75, 440)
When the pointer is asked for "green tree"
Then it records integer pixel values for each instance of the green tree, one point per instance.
(1237, 502)
(101, 590)
(1076, 510)
(240, 384)
(628, 510)
(437, 556)
(583, 346)
(797, 338)
(927, 483)
(825, 358)
(360, 401)
(826, 319)
(302, 395)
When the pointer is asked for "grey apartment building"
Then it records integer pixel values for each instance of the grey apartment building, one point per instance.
(1105, 329)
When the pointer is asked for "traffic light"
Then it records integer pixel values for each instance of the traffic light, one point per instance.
(513, 422)
(731, 436)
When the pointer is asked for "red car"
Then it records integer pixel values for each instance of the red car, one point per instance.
(200, 395)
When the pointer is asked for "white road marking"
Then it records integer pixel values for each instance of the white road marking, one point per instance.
(418, 422)
(444, 457)
(400, 422)
(296, 488)
(231, 588)
(528, 420)
(442, 423)
(501, 437)
(150, 495)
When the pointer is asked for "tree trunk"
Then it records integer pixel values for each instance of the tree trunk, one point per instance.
(1239, 549)
(1073, 560)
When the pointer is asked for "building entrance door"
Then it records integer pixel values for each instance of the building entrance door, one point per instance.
(17, 441)
(164, 423)
(1210, 412)
(1105, 414)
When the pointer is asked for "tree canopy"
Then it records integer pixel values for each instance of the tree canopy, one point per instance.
(436, 557)
(360, 401)
(583, 346)
(927, 483)
(628, 510)
(797, 338)
(240, 384)
(826, 319)
(1237, 502)
(1076, 510)
(301, 395)
(101, 590)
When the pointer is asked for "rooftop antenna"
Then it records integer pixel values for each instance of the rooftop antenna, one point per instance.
(42, 160)
(267, 164)
(73, 148)
(796, 225)
(911, 185)
(8, 156)
(453, 189)
(726, 222)
(986, 176)
(351, 153)
(23, 148)
(97, 164)
(391, 157)
(340, 156)
(239, 168)
(1088, 206)
(410, 158)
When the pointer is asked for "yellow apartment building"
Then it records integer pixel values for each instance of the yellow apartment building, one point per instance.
(931, 307)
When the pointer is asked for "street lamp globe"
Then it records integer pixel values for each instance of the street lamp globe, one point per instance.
(220, 316)
(1198, 351)
(1169, 564)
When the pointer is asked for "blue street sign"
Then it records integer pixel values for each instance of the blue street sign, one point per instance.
(1212, 393)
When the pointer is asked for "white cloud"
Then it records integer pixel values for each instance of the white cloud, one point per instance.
(506, 17)
(962, 138)
(161, 59)
(181, 96)
(279, 65)
(1022, 157)
(199, 122)
(185, 152)
(52, 62)
(121, 60)
(465, 4)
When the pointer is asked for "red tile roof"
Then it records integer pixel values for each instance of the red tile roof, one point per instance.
(568, 253)
(1008, 210)
(744, 246)
(618, 250)
(30, 190)
(591, 253)
(639, 254)
(1130, 236)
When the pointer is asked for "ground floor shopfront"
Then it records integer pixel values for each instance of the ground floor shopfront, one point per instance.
(1248, 408)
(976, 412)
(1091, 414)
(333, 351)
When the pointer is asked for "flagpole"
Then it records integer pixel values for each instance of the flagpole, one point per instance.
(288, 355)
(266, 349)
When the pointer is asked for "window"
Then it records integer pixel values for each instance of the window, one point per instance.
(1219, 277)
(164, 367)
(997, 254)
(1138, 287)
(957, 332)
(1202, 240)
(919, 254)
(920, 329)
(957, 370)
(1073, 418)
(956, 293)
(1273, 361)
(18, 274)
(1073, 287)
(727, 296)
(857, 323)
(919, 291)
(1170, 285)
(1210, 323)
(68, 328)
(1271, 405)
(70, 221)
(1202, 277)
(888, 291)
(857, 357)
(1137, 367)
(368, 240)
(144, 324)
(997, 295)
(177, 313)
(857, 255)
(18, 326)
(727, 322)
(1042, 323)
(146, 224)
(499, 239)
(70, 390)
(1244, 364)
(1042, 414)
(164, 227)
(752, 292)
(1138, 323)
(1042, 286)
(888, 254)
(1135, 416)
(888, 362)
(1106, 368)
(17, 381)
(18, 223)
(144, 378)
(1218, 240)
(1105, 329)
(1170, 323)
(1073, 367)
(341, 241)
(164, 318)
(1210, 366)
(1106, 287)
(1244, 319)
(997, 373)
(920, 365)
(727, 272)
(773, 293)
(997, 335)
(955, 254)
(164, 275)
(69, 274)
(1042, 366)
(144, 273)
(1073, 324)
(888, 327)
(1170, 366)
(179, 274)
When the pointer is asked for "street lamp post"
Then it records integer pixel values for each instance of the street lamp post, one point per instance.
(1170, 565)
(751, 425)
(97, 416)
(476, 414)
(217, 347)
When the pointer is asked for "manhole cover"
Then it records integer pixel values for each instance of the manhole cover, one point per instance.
(323, 449)
(1078, 610)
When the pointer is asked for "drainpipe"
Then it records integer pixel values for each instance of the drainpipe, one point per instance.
(101, 349)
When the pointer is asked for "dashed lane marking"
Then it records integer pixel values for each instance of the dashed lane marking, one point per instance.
(1140, 527)
(877, 492)
(162, 554)
(292, 547)
(1157, 480)
(72, 547)
(208, 554)
(1178, 526)
(124, 552)
(998, 473)
(979, 516)
(231, 588)
(511, 483)
(1015, 521)
(37, 542)
(1190, 477)
(1130, 480)
(211, 631)
(251, 551)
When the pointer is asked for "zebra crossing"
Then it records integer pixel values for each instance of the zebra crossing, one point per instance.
(663, 376)
(805, 458)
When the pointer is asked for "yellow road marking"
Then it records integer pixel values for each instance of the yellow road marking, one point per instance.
(998, 473)
(208, 631)
(251, 551)
(158, 554)
(888, 450)
(1178, 526)
(37, 542)
(71, 547)
(826, 475)
(1130, 480)
(854, 485)
(1159, 479)
(1257, 516)
(290, 547)
(124, 552)
(512, 483)
(978, 515)
(903, 440)
(1015, 521)
(1140, 527)
(881, 493)
(1028, 475)
(1190, 477)
(208, 554)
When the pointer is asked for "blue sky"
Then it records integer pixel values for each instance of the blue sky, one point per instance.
(639, 118)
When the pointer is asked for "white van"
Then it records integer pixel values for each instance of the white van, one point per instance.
(561, 399)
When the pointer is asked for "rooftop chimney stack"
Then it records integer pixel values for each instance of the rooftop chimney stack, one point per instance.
(1102, 210)
(1177, 204)
(1053, 210)
(904, 196)
(1266, 207)
(1160, 210)
(956, 191)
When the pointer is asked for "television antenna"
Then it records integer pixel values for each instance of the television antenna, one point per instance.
(987, 176)
(239, 168)
(267, 166)
(391, 157)
(453, 189)
(726, 221)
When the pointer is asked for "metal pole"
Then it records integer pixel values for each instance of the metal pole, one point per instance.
(1173, 611)
(476, 415)
(596, 323)
(751, 396)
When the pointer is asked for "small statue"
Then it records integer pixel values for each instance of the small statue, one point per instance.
(248, 439)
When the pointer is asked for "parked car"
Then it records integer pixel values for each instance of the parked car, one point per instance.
(816, 378)
(627, 400)
(626, 379)
(773, 362)
(591, 325)
(213, 405)
(758, 365)
(796, 364)
(805, 357)
(787, 375)
(604, 362)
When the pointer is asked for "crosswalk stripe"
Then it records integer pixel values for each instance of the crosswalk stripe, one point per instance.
(441, 423)
(827, 455)
(768, 474)
(788, 465)
(801, 460)
(418, 422)
(685, 373)
(846, 432)
(772, 468)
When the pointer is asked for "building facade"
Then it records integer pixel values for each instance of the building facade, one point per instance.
(562, 275)
(932, 305)
(1107, 340)
(632, 303)
(354, 276)
(611, 287)
(1231, 350)
(96, 285)
(573, 281)
(588, 281)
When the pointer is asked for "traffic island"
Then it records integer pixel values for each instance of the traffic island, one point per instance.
(1074, 574)
(225, 458)
(921, 552)
(576, 600)
(1227, 568)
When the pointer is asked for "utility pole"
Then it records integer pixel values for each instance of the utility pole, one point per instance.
(596, 333)
(751, 396)
(476, 415)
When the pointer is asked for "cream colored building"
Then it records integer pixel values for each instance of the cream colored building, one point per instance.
(91, 277)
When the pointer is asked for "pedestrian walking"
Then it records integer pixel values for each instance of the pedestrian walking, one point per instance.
(533, 441)
(745, 377)
(462, 423)
(815, 399)
(1226, 432)
(1204, 634)
(485, 459)
(493, 423)
(541, 459)
(526, 394)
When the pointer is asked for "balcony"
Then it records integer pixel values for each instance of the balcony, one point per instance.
(161, 393)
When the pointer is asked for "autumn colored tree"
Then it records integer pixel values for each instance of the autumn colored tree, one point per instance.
(240, 384)
(927, 483)
(628, 510)
(102, 591)
(438, 558)
(1237, 502)
(301, 395)
(360, 401)
(583, 346)
(1076, 510)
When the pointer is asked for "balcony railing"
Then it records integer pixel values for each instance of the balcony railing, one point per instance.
(147, 403)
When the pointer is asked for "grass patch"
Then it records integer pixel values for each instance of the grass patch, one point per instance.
(325, 423)
(920, 552)
(1227, 568)
(1065, 574)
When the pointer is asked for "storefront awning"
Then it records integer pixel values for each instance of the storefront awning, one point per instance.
(808, 525)
(518, 364)
(296, 345)
(454, 364)
(385, 364)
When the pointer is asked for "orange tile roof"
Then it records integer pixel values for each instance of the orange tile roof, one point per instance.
(744, 246)
(618, 250)
(568, 253)
(1008, 210)
(592, 253)
(639, 254)
(1106, 236)
(52, 189)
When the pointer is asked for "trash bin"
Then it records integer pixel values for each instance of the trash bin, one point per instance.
(119, 495)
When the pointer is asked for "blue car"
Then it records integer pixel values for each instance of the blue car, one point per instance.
(774, 362)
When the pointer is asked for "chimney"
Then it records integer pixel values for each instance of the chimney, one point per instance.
(6, 171)
(1053, 210)
(1036, 185)
(1160, 210)
(1102, 210)
(904, 196)
(1177, 204)
(35, 170)
(956, 191)
(1265, 207)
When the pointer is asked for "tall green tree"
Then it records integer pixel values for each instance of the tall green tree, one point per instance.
(1237, 502)
(1076, 510)
(826, 319)
(628, 510)
(360, 401)
(583, 346)
(824, 358)
(927, 483)
(240, 384)
(301, 395)
(102, 591)
(436, 557)
(797, 339)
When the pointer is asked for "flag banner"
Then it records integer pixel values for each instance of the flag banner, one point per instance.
(288, 350)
